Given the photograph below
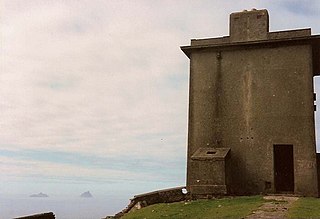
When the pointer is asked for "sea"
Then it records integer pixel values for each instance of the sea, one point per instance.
(62, 207)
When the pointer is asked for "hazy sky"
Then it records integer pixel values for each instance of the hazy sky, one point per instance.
(94, 94)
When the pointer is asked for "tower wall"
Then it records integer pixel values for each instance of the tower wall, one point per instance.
(250, 98)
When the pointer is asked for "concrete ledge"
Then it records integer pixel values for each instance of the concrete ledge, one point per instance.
(162, 196)
(49, 215)
(150, 198)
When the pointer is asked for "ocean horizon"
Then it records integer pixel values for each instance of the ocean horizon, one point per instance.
(69, 207)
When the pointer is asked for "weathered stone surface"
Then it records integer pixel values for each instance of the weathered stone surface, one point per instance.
(251, 92)
(211, 175)
(249, 25)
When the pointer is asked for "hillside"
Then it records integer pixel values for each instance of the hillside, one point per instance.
(233, 207)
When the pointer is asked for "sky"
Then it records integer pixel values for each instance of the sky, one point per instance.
(94, 93)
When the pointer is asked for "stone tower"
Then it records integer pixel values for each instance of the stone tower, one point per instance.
(251, 110)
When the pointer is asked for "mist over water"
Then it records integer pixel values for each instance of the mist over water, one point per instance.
(64, 197)
(63, 207)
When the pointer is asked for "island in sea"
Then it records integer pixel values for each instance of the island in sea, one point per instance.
(86, 195)
(39, 195)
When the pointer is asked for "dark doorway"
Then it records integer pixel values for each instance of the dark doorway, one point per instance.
(283, 168)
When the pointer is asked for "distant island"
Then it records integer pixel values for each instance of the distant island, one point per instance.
(39, 195)
(86, 195)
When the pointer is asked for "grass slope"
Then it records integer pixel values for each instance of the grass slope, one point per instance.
(237, 207)
(305, 208)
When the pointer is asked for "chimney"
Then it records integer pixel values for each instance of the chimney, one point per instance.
(249, 25)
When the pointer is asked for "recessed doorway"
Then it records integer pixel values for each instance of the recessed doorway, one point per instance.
(283, 168)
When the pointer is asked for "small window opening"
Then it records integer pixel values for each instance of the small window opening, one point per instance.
(211, 152)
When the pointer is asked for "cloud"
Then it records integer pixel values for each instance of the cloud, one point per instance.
(103, 84)
(37, 170)
(304, 8)
(76, 91)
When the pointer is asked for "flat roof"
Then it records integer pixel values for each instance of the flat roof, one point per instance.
(223, 44)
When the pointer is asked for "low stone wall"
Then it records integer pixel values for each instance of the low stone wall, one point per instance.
(49, 215)
(160, 196)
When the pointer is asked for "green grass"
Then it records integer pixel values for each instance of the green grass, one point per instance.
(305, 208)
(237, 207)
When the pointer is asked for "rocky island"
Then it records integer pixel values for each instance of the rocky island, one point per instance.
(86, 195)
(39, 195)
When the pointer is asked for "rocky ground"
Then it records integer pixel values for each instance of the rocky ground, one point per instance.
(276, 208)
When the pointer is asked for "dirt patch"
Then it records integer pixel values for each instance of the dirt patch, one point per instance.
(276, 207)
